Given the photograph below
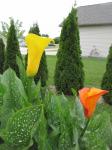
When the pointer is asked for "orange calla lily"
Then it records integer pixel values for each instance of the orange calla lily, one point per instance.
(36, 46)
(89, 98)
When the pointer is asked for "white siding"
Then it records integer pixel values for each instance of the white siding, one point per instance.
(99, 37)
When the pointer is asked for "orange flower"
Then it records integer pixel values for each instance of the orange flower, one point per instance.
(89, 98)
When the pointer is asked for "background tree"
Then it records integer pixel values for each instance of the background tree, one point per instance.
(43, 71)
(69, 68)
(2, 55)
(107, 78)
(57, 39)
(18, 27)
(12, 49)
(45, 35)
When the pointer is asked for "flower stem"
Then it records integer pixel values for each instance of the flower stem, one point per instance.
(83, 132)
(29, 84)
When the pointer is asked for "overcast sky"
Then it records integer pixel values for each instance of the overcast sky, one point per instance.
(47, 13)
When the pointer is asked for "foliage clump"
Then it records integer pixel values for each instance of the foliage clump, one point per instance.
(107, 79)
(69, 68)
(12, 49)
(2, 55)
(30, 122)
(57, 39)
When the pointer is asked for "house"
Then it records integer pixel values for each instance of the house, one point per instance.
(95, 25)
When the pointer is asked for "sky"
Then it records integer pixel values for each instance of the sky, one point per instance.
(47, 13)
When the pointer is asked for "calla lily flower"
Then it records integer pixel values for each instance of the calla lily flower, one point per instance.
(89, 98)
(36, 46)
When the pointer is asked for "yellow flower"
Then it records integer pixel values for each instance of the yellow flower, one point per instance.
(36, 46)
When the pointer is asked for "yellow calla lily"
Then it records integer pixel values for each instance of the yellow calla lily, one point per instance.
(36, 46)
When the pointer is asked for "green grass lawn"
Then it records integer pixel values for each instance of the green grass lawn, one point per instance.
(94, 69)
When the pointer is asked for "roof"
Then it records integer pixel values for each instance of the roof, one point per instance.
(98, 14)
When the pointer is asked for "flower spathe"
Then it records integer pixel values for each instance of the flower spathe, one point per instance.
(89, 98)
(36, 46)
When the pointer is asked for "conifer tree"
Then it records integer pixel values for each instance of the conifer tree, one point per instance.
(107, 79)
(43, 71)
(69, 68)
(2, 55)
(12, 49)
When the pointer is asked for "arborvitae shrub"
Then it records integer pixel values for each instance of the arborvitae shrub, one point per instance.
(57, 39)
(69, 68)
(107, 79)
(43, 71)
(2, 55)
(12, 49)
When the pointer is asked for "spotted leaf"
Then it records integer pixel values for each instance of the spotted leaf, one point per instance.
(14, 97)
(20, 126)
(99, 132)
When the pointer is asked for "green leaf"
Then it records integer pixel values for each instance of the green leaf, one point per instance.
(32, 90)
(14, 98)
(20, 127)
(35, 92)
(79, 114)
(15, 89)
(42, 133)
(47, 99)
(60, 122)
(53, 113)
(5, 147)
(79, 108)
(98, 135)
(104, 107)
(2, 92)
(75, 139)
(22, 71)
